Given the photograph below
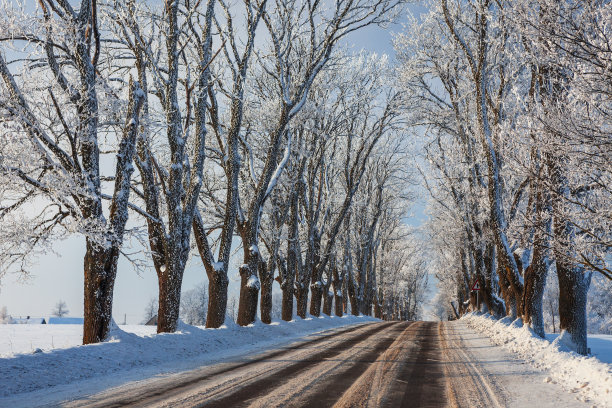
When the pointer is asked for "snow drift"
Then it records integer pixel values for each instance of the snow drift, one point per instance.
(588, 377)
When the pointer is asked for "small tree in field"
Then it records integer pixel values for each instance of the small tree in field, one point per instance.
(194, 305)
(150, 309)
(5, 318)
(60, 309)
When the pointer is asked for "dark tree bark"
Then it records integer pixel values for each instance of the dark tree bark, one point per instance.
(301, 297)
(574, 280)
(292, 270)
(573, 288)
(316, 284)
(249, 292)
(170, 298)
(378, 307)
(496, 307)
(287, 295)
(288, 288)
(535, 274)
(316, 296)
(217, 299)
(266, 277)
(338, 278)
(100, 265)
(345, 296)
(352, 293)
(328, 298)
(506, 293)
(100, 268)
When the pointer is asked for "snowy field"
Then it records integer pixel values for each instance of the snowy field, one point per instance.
(47, 362)
(589, 377)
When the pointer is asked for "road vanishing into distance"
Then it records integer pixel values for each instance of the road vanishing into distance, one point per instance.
(387, 364)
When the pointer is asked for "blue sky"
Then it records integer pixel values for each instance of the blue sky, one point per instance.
(61, 277)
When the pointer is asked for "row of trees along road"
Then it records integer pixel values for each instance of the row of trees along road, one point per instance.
(515, 97)
(194, 117)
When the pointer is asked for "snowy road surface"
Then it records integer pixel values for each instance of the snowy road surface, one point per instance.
(407, 364)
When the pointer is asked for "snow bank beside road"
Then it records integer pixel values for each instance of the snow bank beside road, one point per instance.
(139, 354)
(588, 377)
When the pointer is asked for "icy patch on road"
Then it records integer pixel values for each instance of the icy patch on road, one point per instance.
(34, 359)
(590, 378)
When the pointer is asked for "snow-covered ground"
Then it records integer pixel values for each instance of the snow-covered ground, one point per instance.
(510, 381)
(43, 364)
(590, 378)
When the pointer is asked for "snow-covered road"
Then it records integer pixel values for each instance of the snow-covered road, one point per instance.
(353, 362)
(408, 364)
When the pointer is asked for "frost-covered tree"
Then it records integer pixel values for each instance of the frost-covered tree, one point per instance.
(175, 80)
(599, 307)
(500, 89)
(569, 42)
(60, 309)
(379, 203)
(150, 309)
(276, 309)
(232, 309)
(194, 303)
(226, 111)
(302, 36)
(57, 102)
(5, 318)
(551, 304)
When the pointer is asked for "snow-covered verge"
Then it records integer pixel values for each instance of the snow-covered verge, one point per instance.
(134, 353)
(589, 377)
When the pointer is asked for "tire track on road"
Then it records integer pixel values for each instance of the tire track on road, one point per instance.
(160, 390)
(387, 364)
(468, 386)
(334, 382)
(251, 390)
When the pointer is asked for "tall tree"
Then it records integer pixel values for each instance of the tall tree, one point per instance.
(61, 127)
(171, 176)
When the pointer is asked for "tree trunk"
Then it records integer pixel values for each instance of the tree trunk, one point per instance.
(287, 307)
(100, 267)
(291, 272)
(371, 297)
(352, 295)
(506, 293)
(338, 298)
(345, 296)
(266, 278)
(535, 274)
(169, 282)
(249, 291)
(316, 284)
(573, 288)
(217, 299)
(574, 281)
(301, 296)
(359, 286)
(378, 309)
(496, 305)
(286, 278)
(327, 301)
(535, 279)
(316, 293)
